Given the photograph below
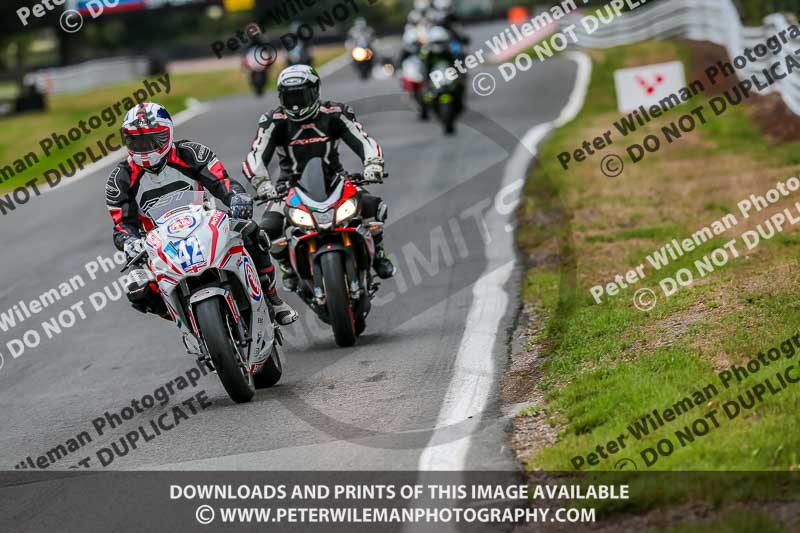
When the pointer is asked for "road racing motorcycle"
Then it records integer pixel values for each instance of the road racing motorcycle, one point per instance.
(446, 100)
(363, 57)
(331, 249)
(412, 79)
(257, 64)
(210, 287)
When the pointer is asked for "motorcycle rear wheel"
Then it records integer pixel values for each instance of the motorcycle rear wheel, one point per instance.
(340, 312)
(212, 321)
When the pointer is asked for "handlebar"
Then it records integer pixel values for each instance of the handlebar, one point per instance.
(134, 261)
(357, 178)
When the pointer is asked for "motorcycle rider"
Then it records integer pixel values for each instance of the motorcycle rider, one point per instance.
(443, 14)
(438, 49)
(158, 165)
(300, 52)
(411, 44)
(257, 60)
(301, 128)
(421, 14)
(360, 31)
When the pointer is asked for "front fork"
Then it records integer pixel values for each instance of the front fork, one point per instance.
(354, 288)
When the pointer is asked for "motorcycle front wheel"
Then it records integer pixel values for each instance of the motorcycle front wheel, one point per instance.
(448, 117)
(340, 312)
(271, 372)
(215, 326)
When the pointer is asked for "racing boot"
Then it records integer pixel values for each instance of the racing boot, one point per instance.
(283, 312)
(381, 263)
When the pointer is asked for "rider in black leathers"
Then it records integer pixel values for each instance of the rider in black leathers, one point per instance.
(301, 129)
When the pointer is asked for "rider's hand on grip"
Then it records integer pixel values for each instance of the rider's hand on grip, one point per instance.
(373, 170)
(265, 189)
(134, 247)
(242, 206)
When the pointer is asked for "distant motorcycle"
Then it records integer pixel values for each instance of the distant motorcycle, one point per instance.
(412, 79)
(257, 63)
(363, 57)
(446, 99)
(211, 290)
(331, 249)
(300, 54)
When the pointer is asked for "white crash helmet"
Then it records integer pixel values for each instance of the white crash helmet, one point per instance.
(148, 134)
(298, 92)
(437, 39)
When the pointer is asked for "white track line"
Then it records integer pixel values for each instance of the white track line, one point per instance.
(474, 375)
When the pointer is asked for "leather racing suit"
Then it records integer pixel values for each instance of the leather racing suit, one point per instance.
(296, 143)
(130, 190)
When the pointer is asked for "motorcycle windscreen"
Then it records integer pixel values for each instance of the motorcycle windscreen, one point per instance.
(313, 181)
(172, 201)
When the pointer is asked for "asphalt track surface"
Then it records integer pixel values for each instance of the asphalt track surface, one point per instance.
(372, 407)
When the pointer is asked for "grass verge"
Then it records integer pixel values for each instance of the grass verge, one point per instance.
(604, 367)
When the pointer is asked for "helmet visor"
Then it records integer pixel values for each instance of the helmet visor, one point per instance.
(298, 97)
(143, 143)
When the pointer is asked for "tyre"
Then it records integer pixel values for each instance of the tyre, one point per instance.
(271, 372)
(360, 325)
(423, 106)
(339, 311)
(448, 116)
(214, 324)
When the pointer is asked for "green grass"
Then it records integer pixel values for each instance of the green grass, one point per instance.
(608, 365)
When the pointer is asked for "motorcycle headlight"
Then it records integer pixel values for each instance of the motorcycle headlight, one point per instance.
(301, 218)
(361, 54)
(346, 210)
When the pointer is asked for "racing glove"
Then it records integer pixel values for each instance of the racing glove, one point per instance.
(373, 170)
(133, 247)
(241, 206)
(263, 187)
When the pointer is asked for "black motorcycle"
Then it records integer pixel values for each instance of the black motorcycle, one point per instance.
(446, 100)
(331, 249)
(363, 57)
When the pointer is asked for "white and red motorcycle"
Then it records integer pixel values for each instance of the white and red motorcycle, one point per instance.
(211, 289)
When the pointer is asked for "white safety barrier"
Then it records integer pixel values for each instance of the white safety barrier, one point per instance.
(716, 21)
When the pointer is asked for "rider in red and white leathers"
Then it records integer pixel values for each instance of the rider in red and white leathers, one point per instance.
(158, 165)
